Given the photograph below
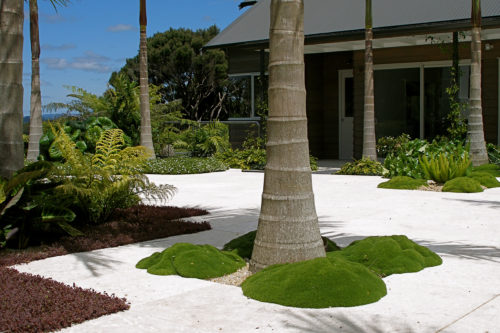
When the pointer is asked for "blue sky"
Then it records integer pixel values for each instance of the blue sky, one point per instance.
(81, 44)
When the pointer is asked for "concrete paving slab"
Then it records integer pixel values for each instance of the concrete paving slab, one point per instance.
(458, 296)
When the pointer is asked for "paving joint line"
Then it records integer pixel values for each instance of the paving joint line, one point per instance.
(468, 313)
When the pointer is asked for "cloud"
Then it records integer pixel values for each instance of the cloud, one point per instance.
(62, 47)
(90, 62)
(121, 27)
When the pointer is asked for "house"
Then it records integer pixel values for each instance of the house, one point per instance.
(412, 67)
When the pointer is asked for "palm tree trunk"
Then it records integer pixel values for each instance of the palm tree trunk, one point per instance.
(475, 131)
(146, 136)
(369, 140)
(288, 228)
(36, 97)
(11, 86)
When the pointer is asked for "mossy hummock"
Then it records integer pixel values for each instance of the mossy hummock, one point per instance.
(403, 183)
(243, 245)
(462, 185)
(316, 283)
(386, 255)
(492, 169)
(485, 178)
(192, 261)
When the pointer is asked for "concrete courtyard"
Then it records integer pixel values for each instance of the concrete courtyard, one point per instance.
(461, 295)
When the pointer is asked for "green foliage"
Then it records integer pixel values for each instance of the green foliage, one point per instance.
(485, 179)
(443, 167)
(404, 160)
(252, 156)
(177, 64)
(364, 166)
(85, 134)
(29, 205)
(386, 255)
(316, 283)
(403, 183)
(204, 140)
(389, 144)
(183, 165)
(492, 169)
(108, 180)
(462, 185)
(164, 118)
(243, 245)
(457, 128)
(192, 261)
(493, 153)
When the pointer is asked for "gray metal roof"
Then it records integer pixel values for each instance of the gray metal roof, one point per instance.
(323, 17)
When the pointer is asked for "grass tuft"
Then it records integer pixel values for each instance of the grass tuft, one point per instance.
(485, 178)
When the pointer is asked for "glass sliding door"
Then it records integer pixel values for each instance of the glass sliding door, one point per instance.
(397, 102)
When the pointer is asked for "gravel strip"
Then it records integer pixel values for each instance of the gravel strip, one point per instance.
(235, 279)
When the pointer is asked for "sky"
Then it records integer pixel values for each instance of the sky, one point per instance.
(84, 42)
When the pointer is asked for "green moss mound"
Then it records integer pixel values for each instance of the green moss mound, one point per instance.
(462, 185)
(492, 169)
(403, 183)
(316, 283)
(192, 261)
(485, 179)
(386, 255)
(243, 245)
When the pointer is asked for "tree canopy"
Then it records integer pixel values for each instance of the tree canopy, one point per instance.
(182, 70)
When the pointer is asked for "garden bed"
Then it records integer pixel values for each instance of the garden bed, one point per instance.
(30, 303)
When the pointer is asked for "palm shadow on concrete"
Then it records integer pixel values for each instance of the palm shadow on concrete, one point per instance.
(464, 251)
(327, 322)
(489, 203)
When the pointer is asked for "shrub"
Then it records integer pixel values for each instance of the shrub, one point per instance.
(485, 179)
(107, 180)
(29, 205)
(492, 169)
(389, 144)
(404, 161)
(443, 167)
(183, 165)
(403, 183)
(462, 185)
(364, 166)
(203, 140)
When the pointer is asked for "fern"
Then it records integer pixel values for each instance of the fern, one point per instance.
(443, 167)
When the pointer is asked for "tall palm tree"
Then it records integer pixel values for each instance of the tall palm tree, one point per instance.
(35, 131)
(11, 86)
(146, 136)
(288, 228)
(475, 132)
(369, 140)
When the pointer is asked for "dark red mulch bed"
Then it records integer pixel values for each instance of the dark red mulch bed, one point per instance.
(30, 303)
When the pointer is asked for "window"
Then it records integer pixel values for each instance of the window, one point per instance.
(247, 90)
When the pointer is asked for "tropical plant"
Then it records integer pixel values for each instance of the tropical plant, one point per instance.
(11, 87)
(29, 204)
(288, 228)
(364, 166)
(369, 140)
(457, 128)
(109, 179)
(443, 167)
(493, 154)
(475, 132)
(203, 140)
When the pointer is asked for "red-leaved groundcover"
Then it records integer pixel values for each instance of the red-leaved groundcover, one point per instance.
(30, 303)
